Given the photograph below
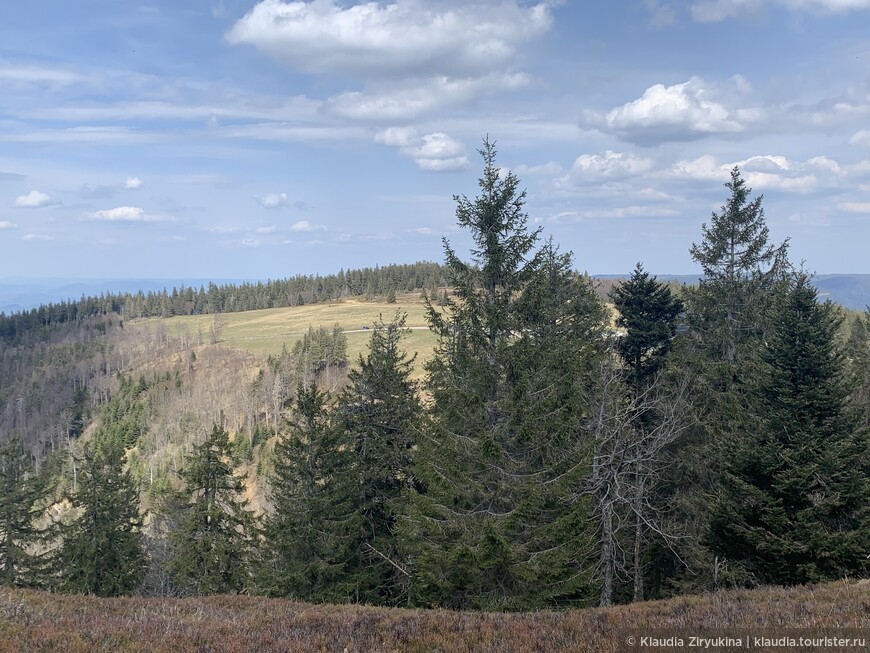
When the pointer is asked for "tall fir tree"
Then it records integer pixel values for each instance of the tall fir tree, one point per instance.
(729, 313)
(379, 416)
(648, 312)
(23, 493)
(309, 551)
(498, 524)
(795, 507)
(212, 546)
(102, 551)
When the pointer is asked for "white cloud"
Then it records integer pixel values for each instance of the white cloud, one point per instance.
(5, 224)
(861, 138)
(680, 112)
(250, 242)
(128, 214)
(34, 199)
(406, 37)
(397, 136)
(609, 165)
(305, 225)
(435, 152)
(712, 11)
(549, 168)
(132, 183)
(266, 230)
(36, 237)
(767, 171)
(272, 200)
(39, 74)
(411, 98)
(438, 152)
(854, 207)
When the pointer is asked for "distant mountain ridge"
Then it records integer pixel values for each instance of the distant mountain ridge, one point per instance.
(16, 294)
(851, 291)
(19, 294)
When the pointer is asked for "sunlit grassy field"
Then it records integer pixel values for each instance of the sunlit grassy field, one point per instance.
(37, 621)
(266, 331)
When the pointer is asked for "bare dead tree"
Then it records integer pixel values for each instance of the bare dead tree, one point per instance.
(631, 432)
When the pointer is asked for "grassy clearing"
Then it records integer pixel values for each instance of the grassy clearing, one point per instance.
(31, 621)
(264, 332)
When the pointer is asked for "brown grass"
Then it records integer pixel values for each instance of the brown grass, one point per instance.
(37, 621)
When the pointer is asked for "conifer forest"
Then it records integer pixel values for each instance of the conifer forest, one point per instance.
(562, 445)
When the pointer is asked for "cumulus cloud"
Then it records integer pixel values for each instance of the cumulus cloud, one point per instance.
(680, 112)
(5, 224)
(266, 230)
(397, 137)
(272, 200)
(133, 183)
(405, 37)
(305, 225)
(610, 165)
(36, 237)
(435, 152)
(127, 214)
(712, 11)
(34, 199)
(778, 172)
(549, 168)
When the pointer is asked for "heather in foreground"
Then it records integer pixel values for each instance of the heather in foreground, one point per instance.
(37, 621)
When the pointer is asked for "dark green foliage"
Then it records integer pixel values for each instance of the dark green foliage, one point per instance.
(321, 351)
(102, 550)
(379, 415)
(796, 503)
(22, 502)
(741, 270)
(211, 547)
(648, 312)
(309, 539)
(499, 525)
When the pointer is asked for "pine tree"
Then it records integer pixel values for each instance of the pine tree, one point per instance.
(498, 524)
(212, 545)
(796, 505)
(309, 547)
(379, 415)
(102, 550)
(648, 311)
(22, 496)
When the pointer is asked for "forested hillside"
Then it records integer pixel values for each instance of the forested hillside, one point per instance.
(545, 453)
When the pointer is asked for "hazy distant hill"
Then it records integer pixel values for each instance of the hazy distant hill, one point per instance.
(849, 290)
(17, 294)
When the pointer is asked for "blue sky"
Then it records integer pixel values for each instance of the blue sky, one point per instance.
(230, 138)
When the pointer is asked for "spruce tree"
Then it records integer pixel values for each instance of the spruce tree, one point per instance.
(796, 502)
(498, 524)
(379, 417)
(648, 312)
(729, 314)
(22, 497)
(102, 550)
(309, 549)
(212, 545)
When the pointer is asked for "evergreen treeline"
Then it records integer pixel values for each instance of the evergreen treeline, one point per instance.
(230, 298)
(718, 438)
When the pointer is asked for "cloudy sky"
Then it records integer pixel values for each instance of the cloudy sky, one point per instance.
(230, 138)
